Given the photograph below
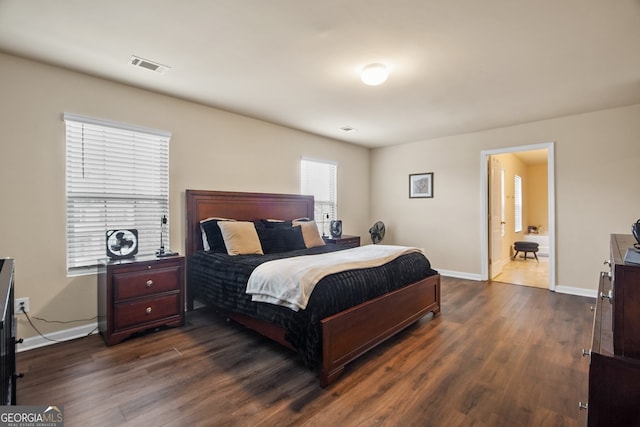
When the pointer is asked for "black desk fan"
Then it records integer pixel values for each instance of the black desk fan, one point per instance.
(377, 232)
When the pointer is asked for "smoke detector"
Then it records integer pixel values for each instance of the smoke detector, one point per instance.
(136, 61)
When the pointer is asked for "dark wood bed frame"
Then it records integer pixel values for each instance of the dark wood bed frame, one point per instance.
(345, 335)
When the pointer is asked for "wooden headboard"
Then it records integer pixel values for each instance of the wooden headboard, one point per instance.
(240, 206)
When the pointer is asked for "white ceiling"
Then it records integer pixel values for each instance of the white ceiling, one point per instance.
(456, 66)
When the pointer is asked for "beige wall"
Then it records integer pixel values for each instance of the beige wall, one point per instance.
(596, 157)
(537, 197)
(210, 149)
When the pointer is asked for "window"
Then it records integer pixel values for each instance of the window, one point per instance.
(318, 178)
(517, 196)
(117, 177)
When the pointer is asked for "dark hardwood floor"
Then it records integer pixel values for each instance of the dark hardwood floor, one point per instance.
(497, 355)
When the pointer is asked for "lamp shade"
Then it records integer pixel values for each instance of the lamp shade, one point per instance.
(374, 74)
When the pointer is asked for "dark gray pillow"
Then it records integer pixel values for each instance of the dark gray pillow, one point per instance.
(272, 240)
(213, 234)
(293, 238)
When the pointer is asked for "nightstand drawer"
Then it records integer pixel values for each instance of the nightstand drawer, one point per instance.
(134, 284)
(143, 311)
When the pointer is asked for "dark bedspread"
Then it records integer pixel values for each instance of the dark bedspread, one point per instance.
(219, 280)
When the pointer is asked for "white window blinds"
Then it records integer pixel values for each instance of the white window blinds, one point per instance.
(117, 177)
(319, 179)
(517, 195)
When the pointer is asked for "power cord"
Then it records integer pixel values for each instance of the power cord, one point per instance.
(53, 321)
(64, 321)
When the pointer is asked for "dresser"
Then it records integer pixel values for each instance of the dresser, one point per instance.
(8, 341)
(614, 368)
(139, 294)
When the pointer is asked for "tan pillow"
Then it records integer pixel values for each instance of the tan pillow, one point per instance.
(240, 237)
(310, 233)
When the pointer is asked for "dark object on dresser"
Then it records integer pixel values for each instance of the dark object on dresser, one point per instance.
(7, 335)
(335, 227)
(139, 294)
(525, 247)
(614, 371)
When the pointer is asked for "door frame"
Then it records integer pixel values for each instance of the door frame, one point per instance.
(484, 188)
(495, 262)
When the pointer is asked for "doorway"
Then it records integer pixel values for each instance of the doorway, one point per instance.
(533, 165)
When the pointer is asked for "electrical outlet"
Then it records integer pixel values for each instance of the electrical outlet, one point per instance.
(22, 302)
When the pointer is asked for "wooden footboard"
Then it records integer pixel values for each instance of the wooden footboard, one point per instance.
(351, 333)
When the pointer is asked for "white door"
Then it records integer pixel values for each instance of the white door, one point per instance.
(496, 216)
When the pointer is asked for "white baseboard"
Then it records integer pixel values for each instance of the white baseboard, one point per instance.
(459, 275)
(59, 336)
(581, 292)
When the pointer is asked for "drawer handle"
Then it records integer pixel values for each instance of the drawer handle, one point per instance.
(608, 295)
(582, 406)
(586, 353)
(592, 308)
(148, 310)
(149, 283)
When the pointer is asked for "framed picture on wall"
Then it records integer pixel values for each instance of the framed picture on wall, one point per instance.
(421, 185)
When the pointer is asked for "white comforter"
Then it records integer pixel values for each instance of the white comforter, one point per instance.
(290, 281)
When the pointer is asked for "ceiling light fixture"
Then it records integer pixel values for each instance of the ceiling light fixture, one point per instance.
(374, 74)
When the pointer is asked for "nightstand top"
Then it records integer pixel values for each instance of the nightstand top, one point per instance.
(342, 240)
(138, 258)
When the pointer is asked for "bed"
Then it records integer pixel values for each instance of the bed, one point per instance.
(340, 336)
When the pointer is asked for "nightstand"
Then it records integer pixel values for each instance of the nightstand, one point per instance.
(139, 294)
(344, 240)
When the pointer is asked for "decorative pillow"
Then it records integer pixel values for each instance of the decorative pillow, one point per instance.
(272, 240)
(310, 233)
(211, 237)
(293, 239)
(275, 223)
(240, 237)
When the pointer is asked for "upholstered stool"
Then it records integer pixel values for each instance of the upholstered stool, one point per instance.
(526, 247)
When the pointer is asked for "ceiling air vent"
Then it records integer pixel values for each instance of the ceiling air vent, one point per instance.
(136, 61)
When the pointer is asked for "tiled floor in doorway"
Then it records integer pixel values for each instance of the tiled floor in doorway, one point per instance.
(526, 272)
